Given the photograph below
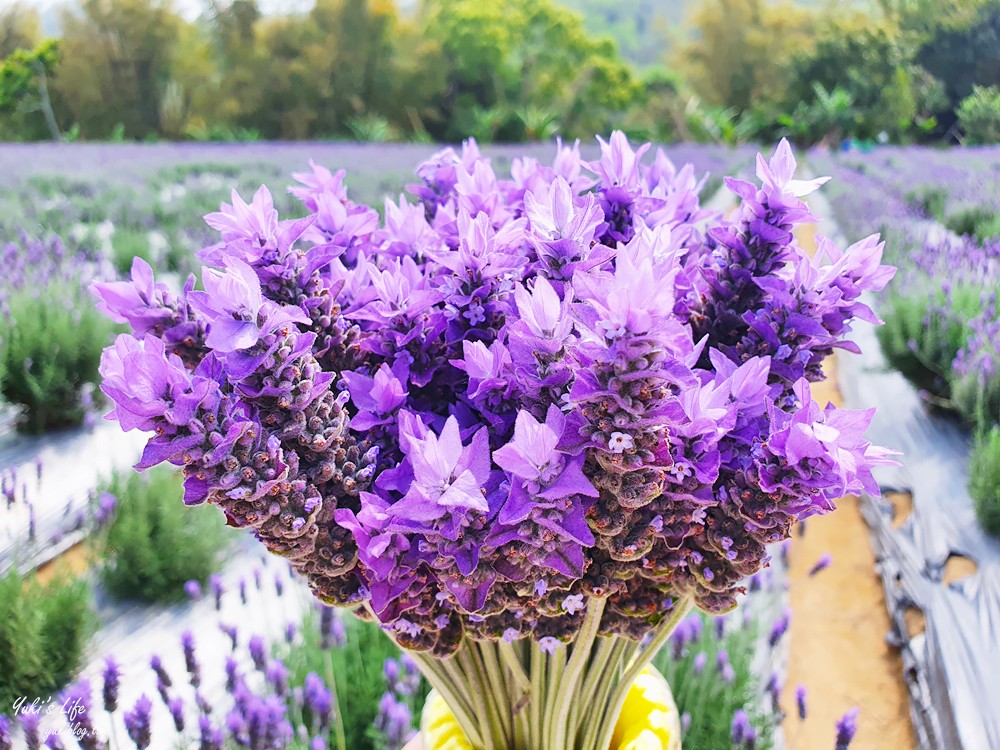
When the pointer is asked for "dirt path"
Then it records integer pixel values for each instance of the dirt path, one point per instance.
(838, 627)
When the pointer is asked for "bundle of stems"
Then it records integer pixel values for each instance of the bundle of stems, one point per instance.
(516, 696)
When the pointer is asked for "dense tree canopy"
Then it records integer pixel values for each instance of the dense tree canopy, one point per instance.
(737, 70)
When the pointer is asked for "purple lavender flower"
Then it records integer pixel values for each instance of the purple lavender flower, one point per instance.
(847, 727)
(161, 674)
(700, 660)
(137, 722)
(232, 633)
(394, 722)
(739, 728)
(210, 737)
(800, 700)
(190, 658)
(215, 582)
(822, 564)
(779, 628)
(111, 677)
(318, 700)
(30, 726)
(176, 708)
(6, 733)
(193, 590)
(258, 652)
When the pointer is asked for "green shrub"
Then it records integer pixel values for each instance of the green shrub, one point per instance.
(154, 543)
(43, 632)
(128, 244)
(984, 479)
(709, 699)
(924, 332)
(977, 221)
(978, 401)
(931, 201)
(356, 669)
(50, 346)
(979, 116)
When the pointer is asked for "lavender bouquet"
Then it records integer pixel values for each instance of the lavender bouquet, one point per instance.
(524, 423)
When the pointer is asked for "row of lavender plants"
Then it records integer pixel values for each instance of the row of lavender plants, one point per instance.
(941, 213)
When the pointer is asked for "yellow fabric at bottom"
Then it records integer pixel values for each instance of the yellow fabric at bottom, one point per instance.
(648, 721)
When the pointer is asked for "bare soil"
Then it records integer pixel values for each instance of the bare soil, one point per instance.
(839, 622)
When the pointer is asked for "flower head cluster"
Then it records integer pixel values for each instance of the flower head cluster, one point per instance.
(510, 397)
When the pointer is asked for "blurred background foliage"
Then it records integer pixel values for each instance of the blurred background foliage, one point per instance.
(506, 70)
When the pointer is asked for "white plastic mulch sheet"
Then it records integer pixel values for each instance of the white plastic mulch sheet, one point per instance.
(952, 667)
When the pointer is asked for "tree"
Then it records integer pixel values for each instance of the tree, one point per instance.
(962, 57)
(742, 49)
(510, 59)
(24, 76)
(872, 68)
(120, 56)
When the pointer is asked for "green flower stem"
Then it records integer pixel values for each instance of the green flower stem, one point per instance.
(537, 693)
(514, 665)
(556, 669)
(503, 694)
(338, 724)
(596, 672)
(604, 682)
(442, 681)
(493, 703)
(569, 681)
(614, 707)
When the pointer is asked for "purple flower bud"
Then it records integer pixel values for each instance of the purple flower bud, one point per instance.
(243, 591)
(277, 675)
(193, 590)
(847, 727)
(727, 674)
(190, 658)
(209, 736)
(215, 581)
(685, 722)
(232, 633)
(157, 665)
(137, 722)
(6, 734)
(290, 630)
(29, 725)
(258, 652)
(279, 584)
(111, 677)
(700, 660)
(822, 564)
(739, 727)
(800, 700)
(779, 628)
(317, 743)
(176, 708)
(318, 700)
(232, 674)
(720, 627)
